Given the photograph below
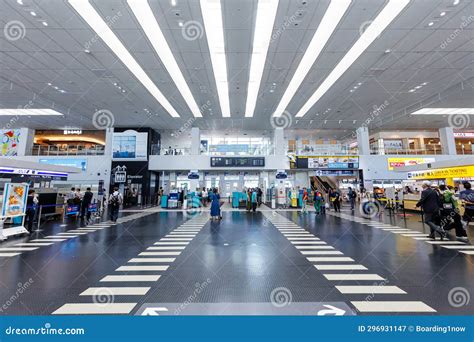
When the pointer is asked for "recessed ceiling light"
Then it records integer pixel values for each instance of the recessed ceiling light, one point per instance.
(266, 13)
(444, 111)
(411, 90)
(360, 83)
(456, 2)
(20, 2)
(418, 87)
(44, 23)
(55, 87)
(424, 83)
(49, 83)
(380, 23)
(352, 90)
(442, 14)
(430, 23)
(180, 23)
(388, 51)
(212, 16)
(29, 111)
(326, 27)
(33, 13)
(90, 15)
(173, 3)
(142, 11)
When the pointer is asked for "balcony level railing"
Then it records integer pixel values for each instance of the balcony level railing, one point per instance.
(69, 150)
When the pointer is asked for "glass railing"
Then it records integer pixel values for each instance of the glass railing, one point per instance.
(69, 150)
(425, 151)
(323, 150)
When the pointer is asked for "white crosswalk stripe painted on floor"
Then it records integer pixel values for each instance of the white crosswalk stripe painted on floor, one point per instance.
(467, 252)
(391, 306)
(26, 244)
(158, 248)
(399, 232)
(340, 267)
(459, 247)
(316, 247)
(115, 291)
(352, 276)
(375, 289)
(158, 253)
(176, 239)
(171, 243)
(17, 249)
(47, 240)
(7, 255)
(66, 236)
(94, 309)
(421, 238)
(142, 268)
(302, 238)
(311, 247)
(439, 242)
(130, 277)
(414, 234)
(152, 260)
(80, 231)
(325, 253)
(330, 259)
(305, 242)
(70, 234)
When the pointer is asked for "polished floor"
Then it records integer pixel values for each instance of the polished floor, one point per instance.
(269, 262)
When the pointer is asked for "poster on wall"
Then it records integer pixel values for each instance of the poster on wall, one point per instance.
(10, 141)
(392, 144)
(326, 162)
(71, 162)
(399, 162)
(130, 145)
(14, 199)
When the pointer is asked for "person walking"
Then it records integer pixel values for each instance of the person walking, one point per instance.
(317, 200)
(352, 197)
(115, 201)
(467, 198)
(86, 201)
(450, 213)
(335, 197)
(430, 203)
(31, 204)
(204, 196)
(215, 205)
(304, 200)
(254, 199)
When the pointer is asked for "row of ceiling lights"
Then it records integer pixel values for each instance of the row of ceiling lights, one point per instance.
(56, 88)
(442, 14)
(354, 88)
(213, 26)
(32, 13)
(417, 87)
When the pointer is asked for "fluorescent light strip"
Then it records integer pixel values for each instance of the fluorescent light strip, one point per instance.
(380, 23)
(95, 21)
(328, 24)
(142, 11)
(266, 13)
(444, 111)
(212, 16)
(29, 111)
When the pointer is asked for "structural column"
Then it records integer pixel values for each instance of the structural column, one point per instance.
(25, 143)
(279, 141)
(195, 141)
(363, 140)
(446, 137)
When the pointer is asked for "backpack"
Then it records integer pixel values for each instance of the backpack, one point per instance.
(114, 200)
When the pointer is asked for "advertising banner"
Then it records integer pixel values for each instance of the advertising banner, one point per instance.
(14, 199)
(407, 161)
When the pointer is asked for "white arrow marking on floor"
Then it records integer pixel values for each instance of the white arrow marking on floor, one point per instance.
(331, 310)
(153, 311)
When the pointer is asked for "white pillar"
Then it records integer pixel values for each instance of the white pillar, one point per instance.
(279, 141)
(109, 137)
(446, 137)
(195, 141)
(25, 143)
(363, 140)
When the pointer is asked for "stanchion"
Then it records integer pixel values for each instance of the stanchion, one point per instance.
(39, 219)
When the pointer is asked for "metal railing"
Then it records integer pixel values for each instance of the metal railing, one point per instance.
(70, 150)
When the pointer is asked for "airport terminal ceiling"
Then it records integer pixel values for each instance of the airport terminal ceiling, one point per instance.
(422, 59)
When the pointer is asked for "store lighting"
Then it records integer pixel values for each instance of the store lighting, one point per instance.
(212, 16)
(326, 27)
(142, 11)
(380, 23)
(444, 111)
(95, 21)
(266, 13)
(29, 111)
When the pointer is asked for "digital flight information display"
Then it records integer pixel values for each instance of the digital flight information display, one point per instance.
(237, 161)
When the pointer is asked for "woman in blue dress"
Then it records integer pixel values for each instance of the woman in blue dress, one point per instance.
(215, 207)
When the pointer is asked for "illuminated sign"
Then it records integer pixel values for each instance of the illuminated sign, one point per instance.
(450, 172)
(72, 131)
(32, 172)
(399, 162)
(464, 135)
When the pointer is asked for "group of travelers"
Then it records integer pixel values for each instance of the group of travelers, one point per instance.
(82, 200)
(441, 210)
(322, 200)
(254, 198)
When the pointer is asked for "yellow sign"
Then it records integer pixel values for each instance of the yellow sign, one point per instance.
(399, 162)
(450, 172)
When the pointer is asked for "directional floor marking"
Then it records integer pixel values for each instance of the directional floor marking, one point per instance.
(9, 254)
(414, 234)
(176, 239)
(325, 253)
(459, 247)
(305, 242)
(303, 239)
(311, 247)
(352, 276)
(47, 240)
(130, 277)
(153, 260)
(177, 243)
(34, 244)
(330, 259)
(158, 253)
(115, 291)
(162, 248)
(376, 289)
(439, 242)
(17, 249)
(316, 247)
(467, 252)
(340, 267)
(392, 306)
(94, 308)
(67, 236)
(142, 268)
